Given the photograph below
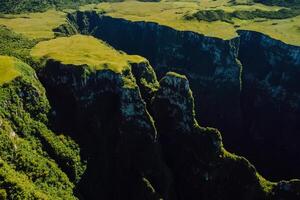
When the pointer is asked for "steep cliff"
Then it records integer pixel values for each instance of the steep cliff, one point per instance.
(270, 102)
(134, 150)
(210, 64)
(107, 115)
(246, 86)
(202, 168)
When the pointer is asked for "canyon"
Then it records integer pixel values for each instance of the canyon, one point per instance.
(111, 108)
(246, 86)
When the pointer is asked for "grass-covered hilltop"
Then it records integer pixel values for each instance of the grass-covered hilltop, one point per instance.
(116, 99)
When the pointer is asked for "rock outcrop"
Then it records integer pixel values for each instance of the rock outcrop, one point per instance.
(108, 117)
(210, 64)
(202, 168)
(270, 103)
(246, 86)
(139, 138)
(154, 151)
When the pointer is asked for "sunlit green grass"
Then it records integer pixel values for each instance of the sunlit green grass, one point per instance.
(81, 50)
(35, 25)
(171, 13)
(8, 70)
(168, 13)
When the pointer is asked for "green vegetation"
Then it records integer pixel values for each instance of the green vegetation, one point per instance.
(222, 18)
(290, 3)
(84, 50)
(221, 15)
(16, 45)
(35, 25)
(11, 6)
(7, 69)
(176, 75)
(35, 163)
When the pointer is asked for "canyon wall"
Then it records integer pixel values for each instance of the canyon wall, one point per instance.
(271, 101)
(210, 64)
(155, 150)
(246, 86)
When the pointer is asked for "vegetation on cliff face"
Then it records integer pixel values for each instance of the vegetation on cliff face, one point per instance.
(139, 136)
(7, 69)
(210, 169)
(15, 45)
(35, 162)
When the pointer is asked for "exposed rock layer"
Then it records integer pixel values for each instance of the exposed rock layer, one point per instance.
(130, 156)
(258, 100)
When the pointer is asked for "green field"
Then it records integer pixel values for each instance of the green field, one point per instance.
(8, 69)
(277, 22)
(81, 50)
(172, 14)
(35, 25)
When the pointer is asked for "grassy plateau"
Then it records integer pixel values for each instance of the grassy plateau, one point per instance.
(34, 25)
(221, 18)
(278, 22)
(84, 50)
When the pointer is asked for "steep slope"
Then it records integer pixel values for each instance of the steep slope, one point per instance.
(107, 116)
(229, 91)
(35, 162)
(209, 63)
(202, 168)
(270, 101)
(130, 154)
(15, 45)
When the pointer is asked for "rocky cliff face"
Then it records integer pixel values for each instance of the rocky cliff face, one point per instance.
(132, 154)
(210, 64)
(256, 98)
(271, 102)
(139, 138)
(109, 119)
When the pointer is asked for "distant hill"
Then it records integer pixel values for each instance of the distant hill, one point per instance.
(20, 6)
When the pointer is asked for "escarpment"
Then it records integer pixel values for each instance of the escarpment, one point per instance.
(123, 134)
(104, 111)
(245, 86)
(114, 129)
(210, 63)
(270, 102)
(140, 137)
(202, 168)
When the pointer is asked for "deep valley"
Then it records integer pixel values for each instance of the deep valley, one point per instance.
(105, 101)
